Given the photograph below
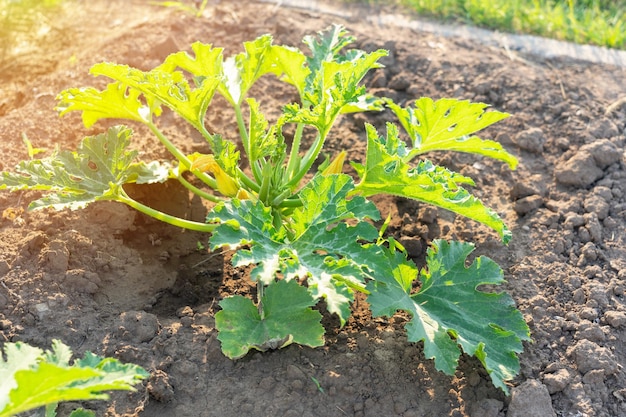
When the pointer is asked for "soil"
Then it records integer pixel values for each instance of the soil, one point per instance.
(112, 281)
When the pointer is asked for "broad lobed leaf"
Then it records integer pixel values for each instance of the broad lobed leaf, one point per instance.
(449, 311)
(334, 89)
(116, 101)
(386, 172)
(241, 71)
(327, 81)
(19, 356)
(167, 86)
(96, 171)
(35, 378)
(448, 124)
(319, 246)
(287, 318)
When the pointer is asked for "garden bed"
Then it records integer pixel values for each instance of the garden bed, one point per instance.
(115, 282)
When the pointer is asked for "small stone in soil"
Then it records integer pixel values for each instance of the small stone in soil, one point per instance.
(615, 319)
(531, 140)
(589, 356)
(557, 381)
(530, 399)
(488, 407)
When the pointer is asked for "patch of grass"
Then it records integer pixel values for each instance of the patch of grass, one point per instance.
(597, 22)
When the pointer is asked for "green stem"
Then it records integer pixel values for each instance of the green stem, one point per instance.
(307, 161)
(200, 193)
(243, 130)
(294, 159)
(248, 181)
(169, 219)
(245, 140)
(182, 158)
(291, 202)
(51, 409)
(266, 181)
(278, 200)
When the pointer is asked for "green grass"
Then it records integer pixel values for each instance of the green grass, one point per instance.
(597, 22)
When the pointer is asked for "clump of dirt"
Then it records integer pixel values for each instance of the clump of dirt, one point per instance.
(112, 281)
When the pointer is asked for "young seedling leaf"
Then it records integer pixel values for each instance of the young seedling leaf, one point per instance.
(449, 311)
(386, 172)
(448, 125)
(319, 246)
(95, 172)
(49, 378)
(287, 318)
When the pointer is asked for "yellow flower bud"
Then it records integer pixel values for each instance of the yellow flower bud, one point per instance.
(336, 166)
(225, 183)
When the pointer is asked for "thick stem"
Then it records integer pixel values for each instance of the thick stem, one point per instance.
(294, 159)
(266, 180)
(245, 140)
(159, 215)
(309, 158)
(200, 193)
(182, 158)
(51, 410)
(278, 200)
(248, 181)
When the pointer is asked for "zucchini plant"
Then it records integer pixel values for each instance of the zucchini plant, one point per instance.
(308, 232)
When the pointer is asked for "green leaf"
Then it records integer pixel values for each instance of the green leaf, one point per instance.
(447, 125)
(206, 62)
(19, 356)
(241, 71)
(292, 64)
(335, 89)
(41, 379)
(288, 318)
(319, 245)
(449, 311)
(116, 101)
(387, 172)
(332, 86)
(327, 46)
(166, 85)
(264, 141)
(60, 354)
(96, 171)
(226, 154)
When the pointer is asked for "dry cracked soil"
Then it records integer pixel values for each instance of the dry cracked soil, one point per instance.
(112, 281)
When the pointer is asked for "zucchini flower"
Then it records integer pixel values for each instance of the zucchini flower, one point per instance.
(226, 184)
(336, 166)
